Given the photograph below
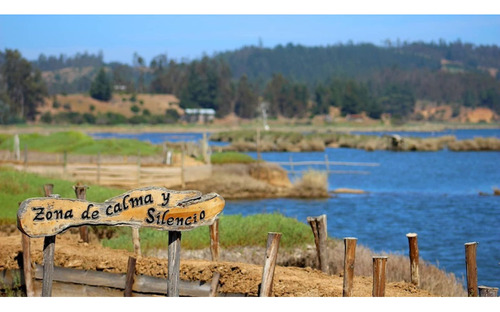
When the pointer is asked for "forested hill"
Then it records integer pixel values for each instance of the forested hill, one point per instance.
(316, 64)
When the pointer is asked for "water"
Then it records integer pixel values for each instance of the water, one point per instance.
(157, 137)
(460, 134)
(434, 194)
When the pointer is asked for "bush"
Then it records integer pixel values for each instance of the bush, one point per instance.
(67, 106)
(46, 117)
(231, 158)
(92, 108)
(135, 109)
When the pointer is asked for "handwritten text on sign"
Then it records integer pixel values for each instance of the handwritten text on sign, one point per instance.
(149, 207)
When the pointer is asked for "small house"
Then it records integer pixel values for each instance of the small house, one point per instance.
(199, 115)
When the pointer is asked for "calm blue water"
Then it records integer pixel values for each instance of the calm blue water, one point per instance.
(156, 137)
(434, 194)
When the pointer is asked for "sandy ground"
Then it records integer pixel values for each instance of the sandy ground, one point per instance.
(235, 277)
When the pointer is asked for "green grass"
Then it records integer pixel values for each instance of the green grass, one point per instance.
(75, 142)
(231, 158)
(234, 231)
(17, 186)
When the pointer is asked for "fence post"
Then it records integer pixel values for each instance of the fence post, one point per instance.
(349, 258)
(174, 258)
(17, 149)
(266, 287)
(318, 226)
(27, 269)
(327, 164)
(164, 146)
(49, 246)
(136, 240)
(129, 280)
(25, 156)
(379, 264)
(204, 149)
(65, 163)
(214, 240)
(291, 165)
(413, 252)
(485, 291)
(81, 193)
(257, 143)
(471, 268)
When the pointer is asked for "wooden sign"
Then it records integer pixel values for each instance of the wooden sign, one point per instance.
(154, 207)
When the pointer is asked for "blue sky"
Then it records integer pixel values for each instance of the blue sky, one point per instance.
(189, 36)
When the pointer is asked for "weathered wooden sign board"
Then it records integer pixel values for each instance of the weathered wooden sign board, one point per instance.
(154, 207)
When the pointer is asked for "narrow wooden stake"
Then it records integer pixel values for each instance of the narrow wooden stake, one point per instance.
(65, 163)
(49, 246)
(27, 268)
(129, 281)
(273, 242)
(204, 149)
(349, 258)
(214, 286)
(379, 264)
(327, 164)
(318, 226)
(98, 167)
(164, 153)
(471, 268)
(413, 251)
(485, 291)
(291, 165)
(183, 184)
(136, 240)
(214, 240)
(81, 193)
(174, 259)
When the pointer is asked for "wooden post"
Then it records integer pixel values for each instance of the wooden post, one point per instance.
(17, 150)
(327, 163)
(204, 149)
(318, 226)
(214, 286)
(471, 268)
(266, 287)
(164, 153)
(349, 257)
(49, 246)
(183, 184)
(129, 280)
(138, 168)
(379, 264)
(98, 167)
(27, 268)
(485, 291)
(214, 240)
(174, 259)
(81, 193)
(257, 143)
(291, 165)
(413, 251)
(136, 240)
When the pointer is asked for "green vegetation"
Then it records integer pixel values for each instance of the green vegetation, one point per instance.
(79, 143)
(235, 231)
(101, 88)
(16, 186)
(231, 158)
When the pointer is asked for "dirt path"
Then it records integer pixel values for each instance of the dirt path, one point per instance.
(235, 277)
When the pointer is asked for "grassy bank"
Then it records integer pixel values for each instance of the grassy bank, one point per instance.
(286, 141)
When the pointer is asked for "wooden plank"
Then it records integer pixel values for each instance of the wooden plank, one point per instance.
(214, 286)
(174, 259)
(471, 269)
(129, 279)
(154, 207)
(485, 291)
(332, 163)
(413, 253)
(266, 287)
(349, 259)
(379, 265)
(136, 240)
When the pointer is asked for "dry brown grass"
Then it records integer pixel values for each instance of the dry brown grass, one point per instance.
(312, 182)
(476, 144)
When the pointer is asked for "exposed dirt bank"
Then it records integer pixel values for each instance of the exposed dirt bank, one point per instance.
(235, 277)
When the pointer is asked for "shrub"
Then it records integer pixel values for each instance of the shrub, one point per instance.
(135, 109)
(46, 117)
(92, 107)
(67, 106)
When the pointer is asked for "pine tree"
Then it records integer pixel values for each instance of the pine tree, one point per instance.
(101, 87)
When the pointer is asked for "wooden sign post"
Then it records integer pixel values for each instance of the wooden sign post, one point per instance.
(154, 207)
